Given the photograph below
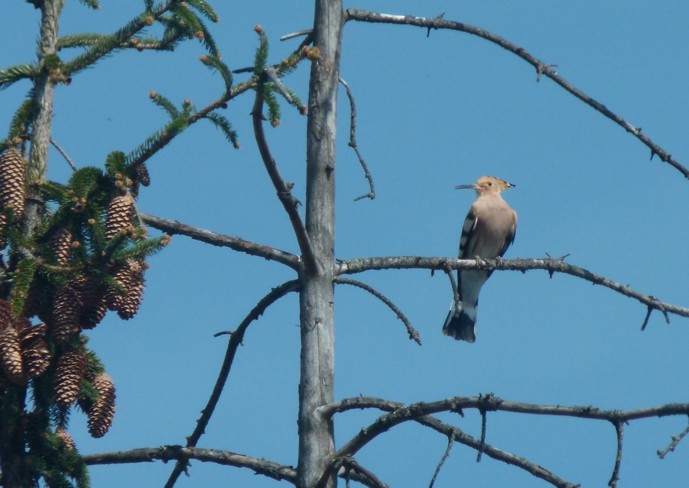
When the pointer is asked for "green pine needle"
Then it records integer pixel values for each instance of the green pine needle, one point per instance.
(85, 39)
(22, 119)
(115, 163)
(91, 3)
(204, 9)
(221, 122)
(13, 74)
(157, 141)
(166, 104)
(261, 52)
(215, 63)
(21, 281)
(273, 106)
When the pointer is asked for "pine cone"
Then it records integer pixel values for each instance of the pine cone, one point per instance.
(66, 310)
(12, 180)
(69, 374)
(65, 439)
(35, 351)
(10, 355)
(131, 276)
(92, 296)
(102, 410)
(5, 313)
(61, 244)
(120, 215)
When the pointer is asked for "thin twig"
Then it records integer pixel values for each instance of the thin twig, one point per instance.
(676, 439)
(446, 454)
(284, 193)
(413, 333)
(305, 32)
(352, 143)
(174, 227)
(351, 465)
(453, 284)
(235, 341)
(273, 76)
(64, 154)
(358, 265)
(542, 69)
(619, 431)
(483, 435)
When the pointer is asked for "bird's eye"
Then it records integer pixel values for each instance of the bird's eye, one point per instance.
(490, 183)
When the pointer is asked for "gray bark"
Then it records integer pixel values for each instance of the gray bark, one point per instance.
(316, 441)
(43, 97)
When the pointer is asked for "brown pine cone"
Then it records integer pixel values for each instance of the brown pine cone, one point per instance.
(66, 310)
(65, 439)
(102, 410)
(34, 350)
(92, 296)
(131, 276)
(12, 180)
(61, 244)
(120, 215)
(10, 355)
(69, 374)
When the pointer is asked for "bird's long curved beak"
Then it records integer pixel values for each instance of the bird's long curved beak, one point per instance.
(466, 187)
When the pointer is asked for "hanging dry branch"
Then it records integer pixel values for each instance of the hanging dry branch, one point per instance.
(353, 144)
(413, 333)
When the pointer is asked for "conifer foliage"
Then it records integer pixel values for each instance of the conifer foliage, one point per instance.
(70, 252)
(86, 252)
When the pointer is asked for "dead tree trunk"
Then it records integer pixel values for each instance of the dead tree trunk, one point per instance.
(316, 387)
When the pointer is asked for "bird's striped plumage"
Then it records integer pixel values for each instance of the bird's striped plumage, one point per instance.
(487, 232)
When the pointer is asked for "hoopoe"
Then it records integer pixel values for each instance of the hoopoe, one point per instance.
(488, 231)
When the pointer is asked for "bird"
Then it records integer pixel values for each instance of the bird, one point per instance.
(487, 232)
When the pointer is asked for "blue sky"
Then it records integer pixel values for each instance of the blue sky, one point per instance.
(433, 112)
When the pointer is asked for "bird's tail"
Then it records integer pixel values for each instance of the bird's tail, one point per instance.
(460, 323)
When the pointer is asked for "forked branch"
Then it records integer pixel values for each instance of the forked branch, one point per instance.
(284, 193)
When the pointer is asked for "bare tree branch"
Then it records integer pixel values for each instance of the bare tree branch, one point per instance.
(350, 465)
(413, 333)
(542, 69)
(419, 412)
(305, 32)
(170, 453)
(236, 338)
(446, 454)
(447, 430)
(289, 202)
(174, 227)
(64, 154)
(676, 439)
(358, 265)
(270, 469)
(619, 431)
(492, 403)
(352, 143)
